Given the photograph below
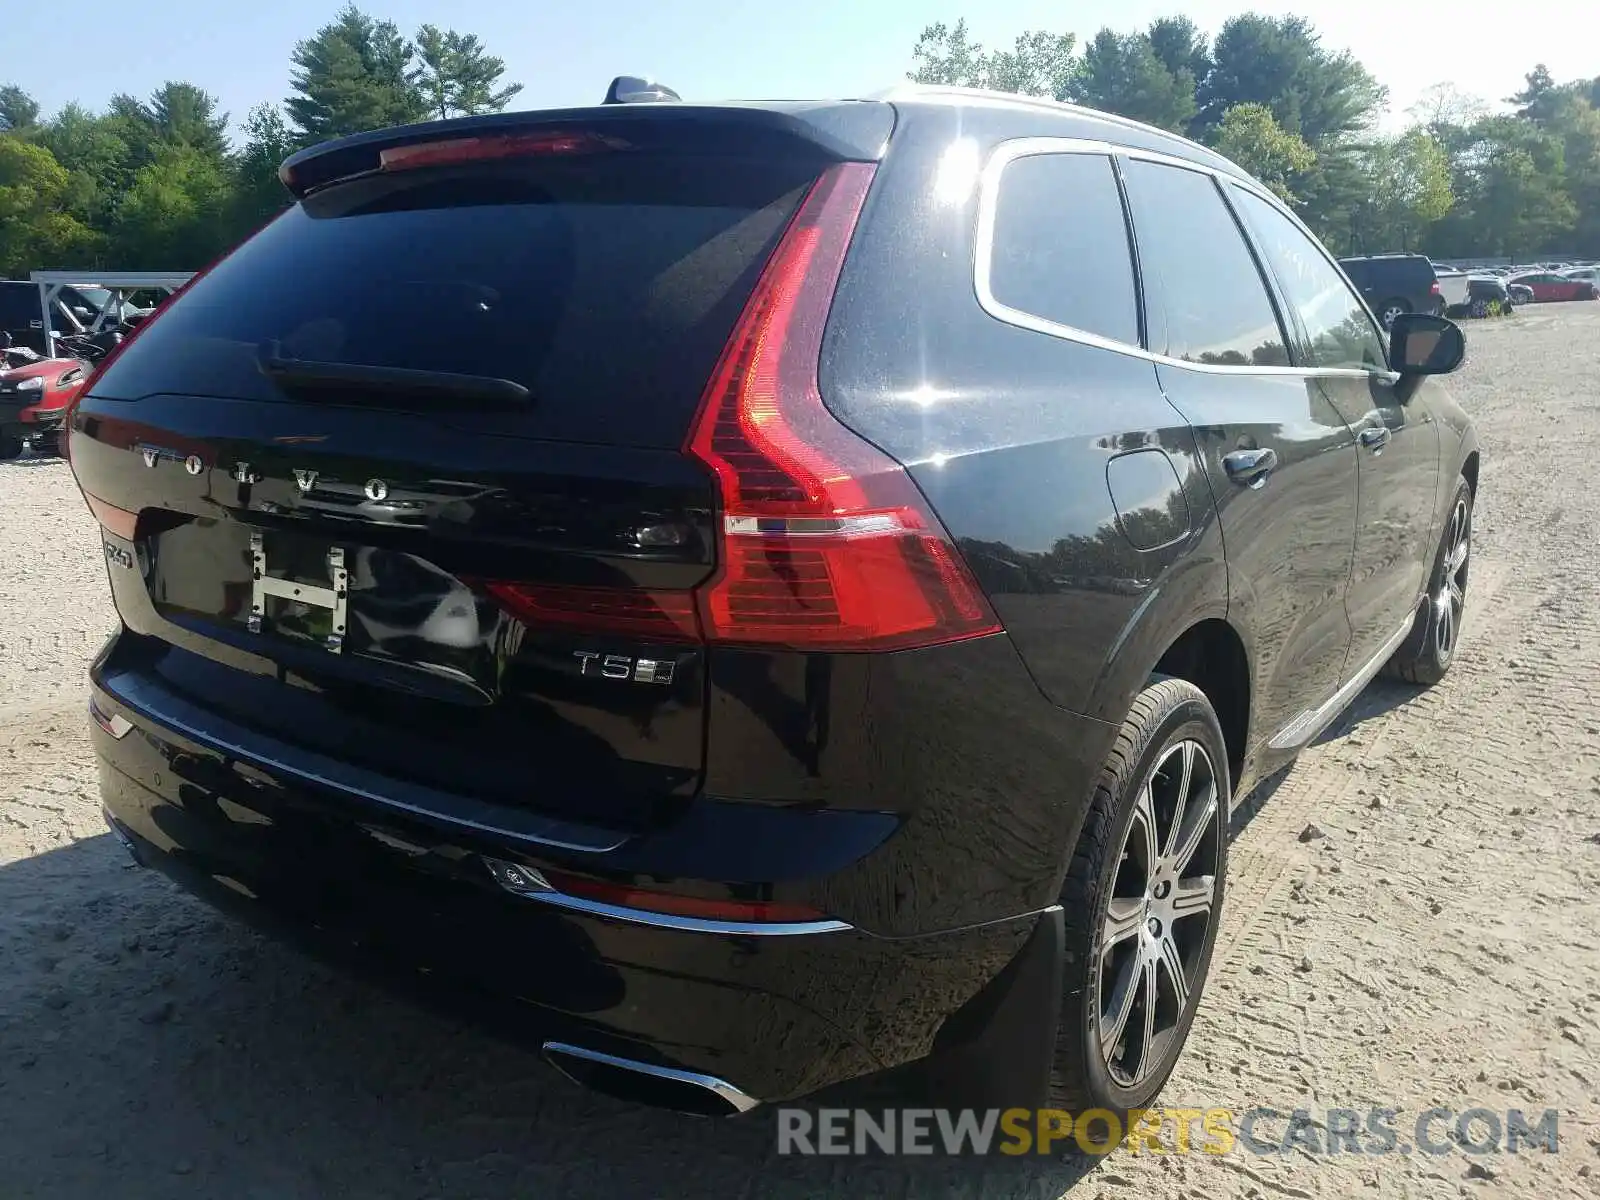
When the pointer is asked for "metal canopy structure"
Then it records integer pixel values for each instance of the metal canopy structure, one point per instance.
(118, 283)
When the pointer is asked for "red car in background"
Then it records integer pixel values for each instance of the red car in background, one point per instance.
(1547, 285)
(33, 403)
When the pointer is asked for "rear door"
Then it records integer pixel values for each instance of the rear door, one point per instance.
(1280, 457)
(406, 468)
(1396, 432)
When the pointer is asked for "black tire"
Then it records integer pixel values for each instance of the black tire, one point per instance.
(1391, 308)
(1166, 715)
(1426, 654)
(1479, 308)
(10, 447)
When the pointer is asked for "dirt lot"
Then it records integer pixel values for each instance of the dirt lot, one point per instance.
(1436, 947)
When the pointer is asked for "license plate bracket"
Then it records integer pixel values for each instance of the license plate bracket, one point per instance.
(334, 597)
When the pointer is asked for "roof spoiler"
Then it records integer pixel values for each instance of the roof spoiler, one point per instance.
(632, 89)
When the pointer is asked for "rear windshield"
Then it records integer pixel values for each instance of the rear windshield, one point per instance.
(607, 287)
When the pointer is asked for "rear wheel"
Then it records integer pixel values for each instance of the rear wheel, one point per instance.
(1479, 308)
(10, 447)
(1390, 309)
(1141, 902)
(1426, 655)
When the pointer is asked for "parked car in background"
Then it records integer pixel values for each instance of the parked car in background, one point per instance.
(1393, 284)
(33, 403)
(1583, 274)
(1473, 294)
(1547, 286)
(1452, 286)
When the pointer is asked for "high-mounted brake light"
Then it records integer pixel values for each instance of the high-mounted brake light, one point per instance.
(493, 146)
(825, 542)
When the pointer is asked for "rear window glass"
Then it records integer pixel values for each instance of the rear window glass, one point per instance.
(606, 287)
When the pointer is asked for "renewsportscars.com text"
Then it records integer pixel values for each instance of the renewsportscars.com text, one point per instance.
(1259, 1131)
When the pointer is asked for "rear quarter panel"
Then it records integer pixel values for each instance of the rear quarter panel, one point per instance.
(1009, 433)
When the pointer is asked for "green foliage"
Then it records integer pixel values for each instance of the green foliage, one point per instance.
(19, 112)
(175, 211)
(1122, 73)
(1039, 64)
(352, 75)
(1301, 117)
(457, 76)
(182, 114)
(1280, 62)
(259, 195)
(1410, 190)
(35, 232)
(1252, 137)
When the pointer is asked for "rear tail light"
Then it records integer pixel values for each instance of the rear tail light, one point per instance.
(648, 903)
(654, 616)
(826, 544)
(1436, 289)
(824, 541)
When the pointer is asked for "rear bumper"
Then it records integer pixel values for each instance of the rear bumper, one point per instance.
(399, 899)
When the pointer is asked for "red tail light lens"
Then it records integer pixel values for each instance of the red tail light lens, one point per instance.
(825, 542)
(651, 900)
(486, 148)
(656, 616)
(1436, 289)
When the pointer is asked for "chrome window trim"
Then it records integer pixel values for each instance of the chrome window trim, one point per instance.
(741, 1101)
(983, 257)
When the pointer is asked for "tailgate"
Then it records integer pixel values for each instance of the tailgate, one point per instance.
(471, 613)
(404, 480)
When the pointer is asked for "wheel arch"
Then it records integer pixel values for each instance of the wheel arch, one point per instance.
(1211, 655)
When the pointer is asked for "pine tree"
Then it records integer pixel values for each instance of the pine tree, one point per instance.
(353, 75)
(457, 76)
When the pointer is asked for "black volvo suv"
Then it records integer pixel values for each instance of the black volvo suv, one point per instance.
(753, 596)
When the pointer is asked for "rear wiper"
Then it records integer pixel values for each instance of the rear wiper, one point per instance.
(438, 386)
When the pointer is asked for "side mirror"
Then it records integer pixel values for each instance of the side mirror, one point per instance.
(1420, 344)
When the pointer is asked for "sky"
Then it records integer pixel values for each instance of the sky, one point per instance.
(566, 53)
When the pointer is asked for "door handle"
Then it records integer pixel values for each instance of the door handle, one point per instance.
(1375, 437)
(1250, 468)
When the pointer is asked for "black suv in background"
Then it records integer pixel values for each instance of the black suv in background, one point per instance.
(807, 605)
(1393, 284)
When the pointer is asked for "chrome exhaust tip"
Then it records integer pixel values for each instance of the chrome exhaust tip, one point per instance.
(645, 1083)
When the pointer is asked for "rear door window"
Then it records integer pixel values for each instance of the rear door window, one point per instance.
(1338, 331)
(606, 287)
(1205, 299)
(1060, 248)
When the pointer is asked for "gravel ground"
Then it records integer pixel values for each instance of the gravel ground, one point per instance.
(1435, 947)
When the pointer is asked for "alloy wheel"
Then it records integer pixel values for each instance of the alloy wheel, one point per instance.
(1450, 597)
(1390, 313)
(1160, 912)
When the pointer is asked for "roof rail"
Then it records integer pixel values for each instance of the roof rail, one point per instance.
(935, 91)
